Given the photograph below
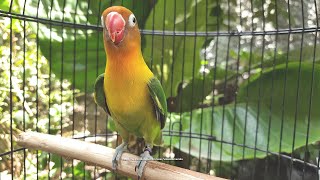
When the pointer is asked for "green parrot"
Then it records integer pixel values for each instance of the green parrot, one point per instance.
(128, 91)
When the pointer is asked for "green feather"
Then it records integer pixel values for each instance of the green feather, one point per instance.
(159, 100)
(99, 95)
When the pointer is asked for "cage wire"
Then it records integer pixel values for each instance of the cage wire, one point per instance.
(241, 78)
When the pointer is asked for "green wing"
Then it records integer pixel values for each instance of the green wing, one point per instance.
(159, 100)
(99, 95)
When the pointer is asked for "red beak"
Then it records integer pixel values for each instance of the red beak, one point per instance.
(115, 25)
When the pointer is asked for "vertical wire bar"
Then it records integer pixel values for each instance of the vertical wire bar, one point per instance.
(37, 85)
(310, 105)
(317, 15)
(23, 86)
(61, 83)
(283, 107)
(193, 73)
(224, 88)
(215, 75)
(247, 88)
(284, 91)
(170, 124)
(74, 77)
(192, 81)
(272, 86)
(224, 106)
(173, 57)
(10, 94)
(297, 94)
(182, 79)
(259, 92)
(152, 36)
(49, 91)
(163, 28)
(202, 93)
(10, 7)
(182, 76)
(311, 90)
(97, 74)
(107, 122)
(86, 83)
(236, 85)
(205, 59)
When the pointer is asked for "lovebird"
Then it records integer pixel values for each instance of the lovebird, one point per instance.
(128, 91)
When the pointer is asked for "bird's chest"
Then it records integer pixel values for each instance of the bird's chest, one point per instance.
(127, 97)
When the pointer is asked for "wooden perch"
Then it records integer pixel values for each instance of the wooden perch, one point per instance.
(101, 156)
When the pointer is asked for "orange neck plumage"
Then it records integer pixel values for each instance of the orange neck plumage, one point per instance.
(124, 57)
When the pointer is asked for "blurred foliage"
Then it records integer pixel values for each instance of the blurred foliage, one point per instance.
(76, 52)
(38, 100)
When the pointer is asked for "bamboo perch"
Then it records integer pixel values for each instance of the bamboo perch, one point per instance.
(101, 156)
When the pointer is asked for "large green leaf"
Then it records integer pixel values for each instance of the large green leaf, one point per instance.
(263, 125)
(177, 58)
(273, 82)
(193, 93)
(75, 50)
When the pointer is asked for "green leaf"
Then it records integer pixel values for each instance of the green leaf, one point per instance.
(251, 116)
(174, 59)
(277, 78)
(56, 160)
(4, 5)
(196, 90)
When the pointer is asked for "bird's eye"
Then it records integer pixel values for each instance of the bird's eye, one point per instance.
(102, 22)
(132, 20)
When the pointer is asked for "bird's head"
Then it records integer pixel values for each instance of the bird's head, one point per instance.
(120, 28)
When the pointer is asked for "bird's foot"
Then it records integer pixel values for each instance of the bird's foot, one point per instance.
(144, 157)
(123, 147)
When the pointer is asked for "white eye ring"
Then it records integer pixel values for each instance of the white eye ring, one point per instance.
(102, 22)
(132, 20)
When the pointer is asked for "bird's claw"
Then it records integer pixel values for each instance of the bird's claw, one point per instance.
(117, 154)
(144, 157)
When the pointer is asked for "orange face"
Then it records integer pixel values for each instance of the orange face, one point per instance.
(120, 28)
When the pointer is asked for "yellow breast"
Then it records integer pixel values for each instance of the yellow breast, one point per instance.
(127, 90)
